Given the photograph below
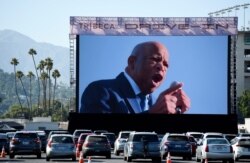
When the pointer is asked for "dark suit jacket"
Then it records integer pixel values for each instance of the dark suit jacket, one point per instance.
(110, 96)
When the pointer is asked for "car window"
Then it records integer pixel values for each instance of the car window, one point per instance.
(97, 139)
(217, 141)
(214, 136)
(149, 138)
(62, 139)
(124, 135)
(110, 136)
(177, 138)
(244, 142)
(26, 135)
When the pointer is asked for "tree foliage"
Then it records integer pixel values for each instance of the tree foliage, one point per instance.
(244, 104)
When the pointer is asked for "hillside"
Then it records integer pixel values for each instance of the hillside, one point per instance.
(17, 45)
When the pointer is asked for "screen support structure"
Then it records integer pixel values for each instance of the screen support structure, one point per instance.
(72, 55)
(233, 83)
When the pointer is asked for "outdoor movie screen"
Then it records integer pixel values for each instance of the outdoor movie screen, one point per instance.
(200, 62)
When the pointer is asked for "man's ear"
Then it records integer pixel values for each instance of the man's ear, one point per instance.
(131, 62)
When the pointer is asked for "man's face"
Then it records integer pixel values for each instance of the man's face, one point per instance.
(150, 67)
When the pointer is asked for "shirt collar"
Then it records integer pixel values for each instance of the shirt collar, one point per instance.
(131, 81)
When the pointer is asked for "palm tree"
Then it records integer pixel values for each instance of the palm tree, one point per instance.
(32, 52)
(19, 75)
(55, 74)
(49, 66)
(15, 62)
(44, 77)
(30, 75)
(41, 67)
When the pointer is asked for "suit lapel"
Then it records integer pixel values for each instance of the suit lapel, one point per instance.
(128, 94)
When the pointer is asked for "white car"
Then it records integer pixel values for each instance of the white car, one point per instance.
(241, 147)
(214, 149)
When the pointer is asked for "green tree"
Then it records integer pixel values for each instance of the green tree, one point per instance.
(19, 75)
(33, 52)
(49, 66)
(55, 74)
(30, 75)
(244, 104)
(15, 62)
(44, 77)
(41, 67)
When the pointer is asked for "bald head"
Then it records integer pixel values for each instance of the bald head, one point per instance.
(148, 64)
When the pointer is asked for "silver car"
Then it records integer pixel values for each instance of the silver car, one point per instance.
(120, 141)
(214, 149)
(60, 146)
(142, 145)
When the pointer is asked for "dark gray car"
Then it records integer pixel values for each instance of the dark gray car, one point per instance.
(25, 143)
(96, 145)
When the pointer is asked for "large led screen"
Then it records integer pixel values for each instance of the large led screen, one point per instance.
(201, 63)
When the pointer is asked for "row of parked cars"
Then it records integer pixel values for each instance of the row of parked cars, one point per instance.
(133, 145)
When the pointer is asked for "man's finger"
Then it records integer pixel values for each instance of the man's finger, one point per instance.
(172, 89)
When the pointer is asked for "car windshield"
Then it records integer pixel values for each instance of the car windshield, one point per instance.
(244, 141)
(214, 136)
(26, 135)
(177, 138)
(97, 139)
(125, 135)
(62, 139)
(110, 136)
(217, 141)
(145, 137)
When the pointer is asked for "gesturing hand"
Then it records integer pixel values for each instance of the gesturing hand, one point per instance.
(170, 99)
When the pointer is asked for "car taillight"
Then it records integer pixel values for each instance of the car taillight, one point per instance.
(206, 149)
(14, 141)
(167, 143)
(49, 143)
(79, 145)
(37, 140)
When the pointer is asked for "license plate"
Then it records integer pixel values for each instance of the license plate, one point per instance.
(177, 146)
(25, 143)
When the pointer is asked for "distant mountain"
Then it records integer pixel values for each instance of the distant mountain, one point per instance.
(17, 45)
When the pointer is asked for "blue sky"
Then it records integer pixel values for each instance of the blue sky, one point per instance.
(48, 20)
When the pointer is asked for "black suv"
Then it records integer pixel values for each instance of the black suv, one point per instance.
(25, 143)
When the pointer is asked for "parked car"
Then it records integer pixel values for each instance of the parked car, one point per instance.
(61, 146)
(4, 142)
(210, 135)
(177, 145)
(25, 143)
(214, 149)
(142, 145)
(241, 147)
(80, 142)
(111, 137)
(78, 132)
(193, 144)
(96, 145)
(43, 138)
(120, 141)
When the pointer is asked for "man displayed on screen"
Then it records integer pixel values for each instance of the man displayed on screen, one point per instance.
(130, 91)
